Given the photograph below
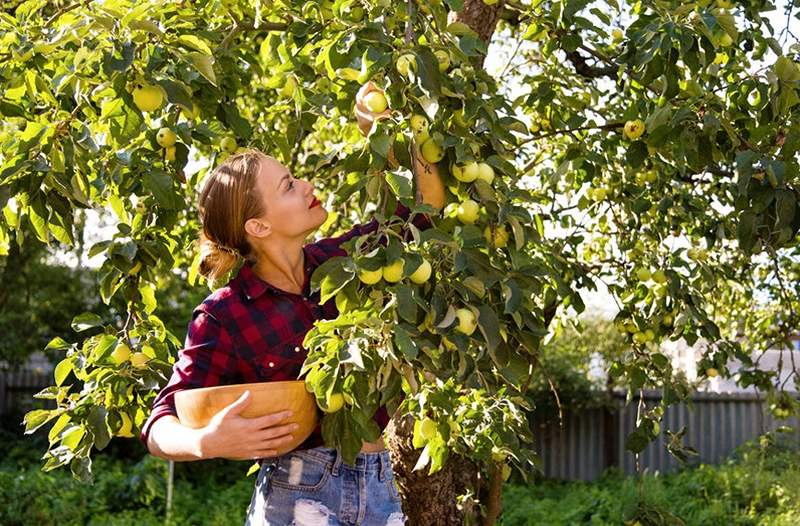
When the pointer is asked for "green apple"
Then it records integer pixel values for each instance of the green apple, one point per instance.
(443, 58)
(617, 35)
(148, 97)
(659, 276)
(228, 144)
(422, 274)
(468, 211)
(725, 4)
(121, 353)
(370, 277)
(419, 127)
(166, 137)
(643, 274)
(485, 172)
(393, 272)
(500, 236)
(467, 323)
(375, 101)
(334, 403)
(633, 129)
(427, 428)
(431, 151)
(405, 63)
(467, 173)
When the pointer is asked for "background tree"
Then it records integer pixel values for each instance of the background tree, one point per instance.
(653, 149)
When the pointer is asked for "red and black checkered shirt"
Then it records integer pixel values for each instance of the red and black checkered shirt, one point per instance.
(249, 331)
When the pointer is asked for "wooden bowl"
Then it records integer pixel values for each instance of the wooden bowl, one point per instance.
(195, 407)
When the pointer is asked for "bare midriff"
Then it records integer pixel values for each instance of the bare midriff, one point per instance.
(373, 447)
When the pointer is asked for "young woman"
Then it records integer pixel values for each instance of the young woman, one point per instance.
(252, 329)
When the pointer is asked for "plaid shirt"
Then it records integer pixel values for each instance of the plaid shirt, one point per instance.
(249, 331)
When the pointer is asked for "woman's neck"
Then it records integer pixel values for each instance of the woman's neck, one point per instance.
(281, 265)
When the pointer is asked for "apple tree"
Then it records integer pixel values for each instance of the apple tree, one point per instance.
(648, 146)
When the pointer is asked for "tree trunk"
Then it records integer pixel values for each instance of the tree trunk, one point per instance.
(432, 499)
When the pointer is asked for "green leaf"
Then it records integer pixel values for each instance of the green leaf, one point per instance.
(404, 342)
(204, 65)
(62, 370)
(489, 326)
(148, 294)
(37, 418)
(406, 306)
(195, 42)
(85, 321)
(745, 230)
(160, 184)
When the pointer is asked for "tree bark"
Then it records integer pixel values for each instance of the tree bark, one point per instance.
(432, 499)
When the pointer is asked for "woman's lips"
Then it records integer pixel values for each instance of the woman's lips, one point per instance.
(314, 203)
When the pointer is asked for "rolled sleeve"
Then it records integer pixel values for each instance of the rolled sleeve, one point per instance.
(204, 361)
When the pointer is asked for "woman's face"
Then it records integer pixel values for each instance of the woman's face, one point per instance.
(292, 210)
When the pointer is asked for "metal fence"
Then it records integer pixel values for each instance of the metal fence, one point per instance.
(17, 389)
(592, 440)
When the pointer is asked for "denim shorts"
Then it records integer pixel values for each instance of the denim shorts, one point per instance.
(315, 487)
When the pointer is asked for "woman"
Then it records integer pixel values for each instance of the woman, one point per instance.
(252, 329)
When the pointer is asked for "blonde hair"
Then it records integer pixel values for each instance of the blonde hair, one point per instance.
(228, 199)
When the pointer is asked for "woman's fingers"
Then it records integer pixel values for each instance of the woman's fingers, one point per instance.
(277, 431)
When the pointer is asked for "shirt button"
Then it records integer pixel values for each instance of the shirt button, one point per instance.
(297, 349)
(272, 364)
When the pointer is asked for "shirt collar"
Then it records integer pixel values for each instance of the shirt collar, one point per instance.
(253, 286)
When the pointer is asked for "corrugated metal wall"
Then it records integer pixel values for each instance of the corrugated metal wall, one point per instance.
(592, 440)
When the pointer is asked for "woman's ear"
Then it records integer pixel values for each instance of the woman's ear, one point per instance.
(258, 228)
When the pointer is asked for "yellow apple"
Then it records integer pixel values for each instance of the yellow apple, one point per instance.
(500, 236)
(370, 277)
(643, 274)
(485, 172)
(375, 101)
(419, 127)
(468, 211)
(617, 34)
(712, 372)
(466, 321)
(659, 276)
(431, 151)
(394, 271)
(148, 97)
(633, 129)
(121, 353)
(422, 274)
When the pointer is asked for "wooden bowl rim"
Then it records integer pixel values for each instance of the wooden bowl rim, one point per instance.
(257, 386)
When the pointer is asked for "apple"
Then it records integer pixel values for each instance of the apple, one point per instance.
(422, 274)
(228, 144)
(139, 359)
(712, 372)
(725, 4)
(370, 277)
(643, 274)
(126, 427)
(121, 353)
(148, 97)
(466, 173)
(427, 428)
(169, 153)
(166, 137)
(754, 98)
(467, 323)
(443, 58)
(617, 35)
(419, 127)
(405, 63)
(633, 129)
(355, 13)
(659, 276)
(500, 237)
(394, 271)
(334, 403)
(468, 211)
(431, 151)
(485, 172)
(458, 118)
(375, 101)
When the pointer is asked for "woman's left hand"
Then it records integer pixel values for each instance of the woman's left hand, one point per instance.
(365, 117)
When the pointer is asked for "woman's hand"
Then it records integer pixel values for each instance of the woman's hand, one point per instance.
(365, 117)
(231, 436)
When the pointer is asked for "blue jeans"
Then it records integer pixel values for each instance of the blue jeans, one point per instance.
(314, 487)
